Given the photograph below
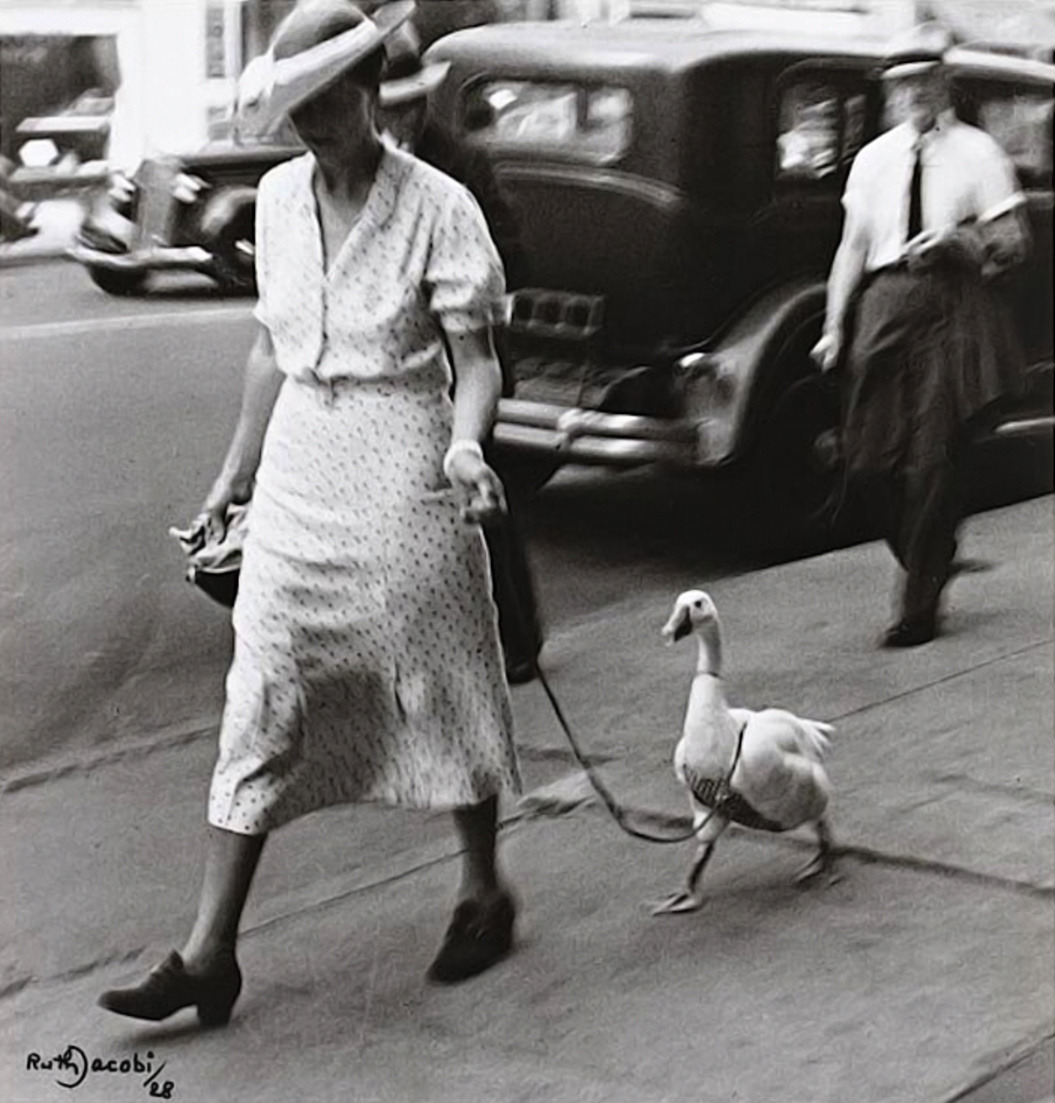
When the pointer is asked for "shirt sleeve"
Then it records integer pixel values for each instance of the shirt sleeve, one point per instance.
(996, 190)
(852, 197)
(464, 277)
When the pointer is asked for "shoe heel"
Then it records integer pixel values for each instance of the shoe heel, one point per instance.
(214, 1008)
(214, 1013)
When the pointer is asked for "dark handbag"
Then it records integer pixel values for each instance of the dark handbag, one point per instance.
(215, 568)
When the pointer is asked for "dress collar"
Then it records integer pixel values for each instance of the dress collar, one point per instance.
(377, 209)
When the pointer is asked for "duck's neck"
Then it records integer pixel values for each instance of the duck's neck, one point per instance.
(709, 657)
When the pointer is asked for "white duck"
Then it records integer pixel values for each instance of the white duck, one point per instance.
(762, 769)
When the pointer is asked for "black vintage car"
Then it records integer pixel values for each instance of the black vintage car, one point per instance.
(194, 212)
(679, 191)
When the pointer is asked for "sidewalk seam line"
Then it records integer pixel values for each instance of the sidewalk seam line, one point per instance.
(863, 854)
(20, 984)
(147, 746)
(1028, 1050)
(1036, 644)
(519, 819)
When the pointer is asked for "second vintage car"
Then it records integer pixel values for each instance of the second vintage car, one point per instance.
(194, 212)
(679, 190)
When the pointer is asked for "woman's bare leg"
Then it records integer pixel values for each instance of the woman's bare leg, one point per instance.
(477, 827)
(230, 864)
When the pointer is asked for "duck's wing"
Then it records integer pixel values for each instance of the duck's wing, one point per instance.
(792, 734)
(780, 772)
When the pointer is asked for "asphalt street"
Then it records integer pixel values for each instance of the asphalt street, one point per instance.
(923, 976)
(115, 418)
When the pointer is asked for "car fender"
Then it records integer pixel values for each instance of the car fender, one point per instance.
(223, 207)
(728, 384)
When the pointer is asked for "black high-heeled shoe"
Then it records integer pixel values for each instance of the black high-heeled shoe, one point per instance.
(169, 987)
(478, 937)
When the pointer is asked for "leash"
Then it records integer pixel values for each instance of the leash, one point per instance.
(616, 811)
(619, 814)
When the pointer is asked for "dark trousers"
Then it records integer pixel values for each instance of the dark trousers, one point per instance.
(513, 589)
(918, 512)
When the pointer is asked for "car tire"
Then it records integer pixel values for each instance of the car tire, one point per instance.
(117, 282)
(798, 473)
(233, 251)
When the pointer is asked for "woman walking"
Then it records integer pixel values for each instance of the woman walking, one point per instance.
(367, 665)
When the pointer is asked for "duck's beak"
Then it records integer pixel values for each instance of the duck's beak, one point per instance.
(678, 627)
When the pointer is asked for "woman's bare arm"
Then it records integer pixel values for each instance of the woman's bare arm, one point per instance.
(477, 386)
(234, 485)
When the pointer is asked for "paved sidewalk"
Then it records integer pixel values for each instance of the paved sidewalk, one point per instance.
(925, 975)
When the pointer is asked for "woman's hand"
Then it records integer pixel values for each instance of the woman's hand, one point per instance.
(479, 489)
(210, 526)
(263, 380)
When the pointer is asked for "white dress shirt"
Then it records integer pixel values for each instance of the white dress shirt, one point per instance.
(966, 177)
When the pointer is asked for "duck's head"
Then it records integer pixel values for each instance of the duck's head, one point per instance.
(692, 610)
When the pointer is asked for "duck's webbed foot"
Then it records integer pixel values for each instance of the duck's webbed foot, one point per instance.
(821, 869)
(690, 898)
(683, 901)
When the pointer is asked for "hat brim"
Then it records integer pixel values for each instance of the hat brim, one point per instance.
(395, 93)
(270, 89)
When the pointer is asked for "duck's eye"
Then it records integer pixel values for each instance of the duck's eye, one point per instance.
(698, 604)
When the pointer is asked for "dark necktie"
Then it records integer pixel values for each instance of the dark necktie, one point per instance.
(915, 196)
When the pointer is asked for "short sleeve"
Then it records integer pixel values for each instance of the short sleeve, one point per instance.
(464, 278)
(996, 190)
(260, 252)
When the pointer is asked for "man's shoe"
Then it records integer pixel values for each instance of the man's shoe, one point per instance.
(520, 671)
(479, 936)
(910, 633)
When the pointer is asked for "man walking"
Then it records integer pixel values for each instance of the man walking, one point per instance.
(923, 347)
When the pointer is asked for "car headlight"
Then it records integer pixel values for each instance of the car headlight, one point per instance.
(187, 188)
(121, 193)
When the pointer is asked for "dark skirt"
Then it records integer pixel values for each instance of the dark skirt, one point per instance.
(927, 355)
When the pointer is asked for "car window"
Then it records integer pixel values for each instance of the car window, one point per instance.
(1020, 120)
(820, 129)
(588, 122)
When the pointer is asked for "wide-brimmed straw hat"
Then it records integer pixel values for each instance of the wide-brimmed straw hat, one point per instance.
(405, 77)
(920, 49)
(317, 42)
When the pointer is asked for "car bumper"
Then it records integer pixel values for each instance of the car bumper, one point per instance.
(143, 260)
(573, 435)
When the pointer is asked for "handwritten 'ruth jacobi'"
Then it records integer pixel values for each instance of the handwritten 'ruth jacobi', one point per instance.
(73, 1066)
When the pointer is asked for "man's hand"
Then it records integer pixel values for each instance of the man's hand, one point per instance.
(826, 352)
(962, 244)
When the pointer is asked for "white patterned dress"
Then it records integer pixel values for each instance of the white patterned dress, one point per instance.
(366, 664)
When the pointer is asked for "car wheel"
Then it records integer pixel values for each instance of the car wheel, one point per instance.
(798, 472)
(116, 282)
(235, 253)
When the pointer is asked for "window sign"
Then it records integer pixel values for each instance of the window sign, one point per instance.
(215, 41)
